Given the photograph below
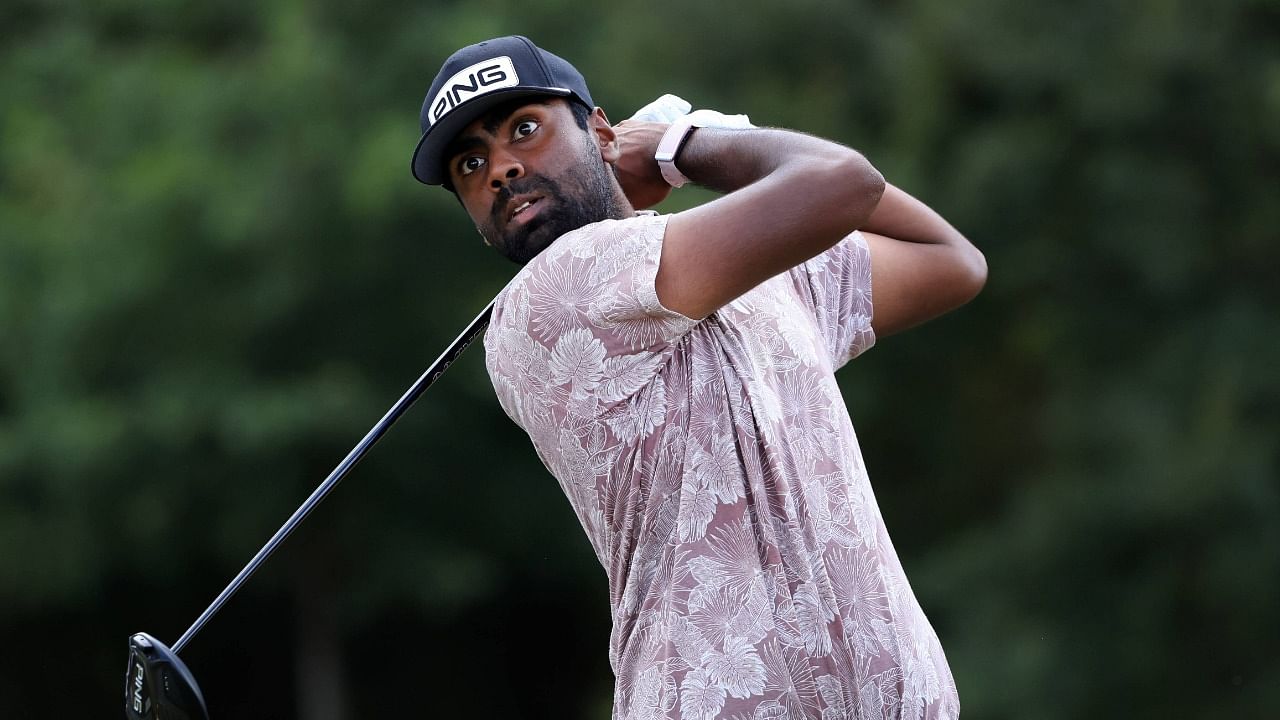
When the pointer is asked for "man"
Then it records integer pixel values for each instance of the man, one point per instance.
(675, 374)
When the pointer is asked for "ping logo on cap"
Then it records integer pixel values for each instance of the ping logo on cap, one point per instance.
(483, 77)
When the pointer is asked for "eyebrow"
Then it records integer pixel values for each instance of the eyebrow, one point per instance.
(499, 115)
(459, 146)
(492, 121)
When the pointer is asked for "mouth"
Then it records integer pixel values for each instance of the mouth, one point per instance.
(523, 208)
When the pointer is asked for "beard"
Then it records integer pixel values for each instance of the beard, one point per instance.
(572, 201)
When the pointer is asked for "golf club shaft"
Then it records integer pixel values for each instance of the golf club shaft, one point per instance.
(432, 373)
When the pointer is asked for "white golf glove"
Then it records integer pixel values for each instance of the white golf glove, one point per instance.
(669, 108)
(665, 109)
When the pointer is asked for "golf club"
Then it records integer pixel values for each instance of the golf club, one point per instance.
(158, 686)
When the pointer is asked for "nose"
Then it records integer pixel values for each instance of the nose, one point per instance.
(503, 168)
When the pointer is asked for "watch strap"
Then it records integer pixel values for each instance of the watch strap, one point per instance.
(669, 146)
(676, 135)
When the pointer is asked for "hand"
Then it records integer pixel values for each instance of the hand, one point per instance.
(637, 171)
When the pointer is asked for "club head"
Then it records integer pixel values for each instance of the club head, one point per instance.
(158, 686)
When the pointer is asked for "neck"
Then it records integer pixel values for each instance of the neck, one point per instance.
(619, 208)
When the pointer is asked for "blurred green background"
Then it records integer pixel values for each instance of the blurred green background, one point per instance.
(216, 272)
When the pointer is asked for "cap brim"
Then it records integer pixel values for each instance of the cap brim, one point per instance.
(428, 162)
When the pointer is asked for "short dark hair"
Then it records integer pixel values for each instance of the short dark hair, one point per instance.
(580, 113)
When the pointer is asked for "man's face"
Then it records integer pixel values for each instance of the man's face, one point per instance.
(527, 174)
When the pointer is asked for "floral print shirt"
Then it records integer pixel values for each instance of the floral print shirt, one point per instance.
(715, 470)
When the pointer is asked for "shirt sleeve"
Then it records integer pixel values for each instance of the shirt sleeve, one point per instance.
(836, 286)
(580, 329)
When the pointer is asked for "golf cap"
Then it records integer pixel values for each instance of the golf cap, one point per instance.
(478, 77)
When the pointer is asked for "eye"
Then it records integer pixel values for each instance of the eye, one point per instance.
(470, 164)
(524, 128)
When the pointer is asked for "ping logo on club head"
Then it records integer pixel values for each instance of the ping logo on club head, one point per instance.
(137, 689)
(483, 77)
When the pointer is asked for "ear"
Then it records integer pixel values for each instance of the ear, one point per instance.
(606, 139)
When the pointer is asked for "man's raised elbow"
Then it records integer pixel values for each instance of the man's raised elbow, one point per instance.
(863, 184)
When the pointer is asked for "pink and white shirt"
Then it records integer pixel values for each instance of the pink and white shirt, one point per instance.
(715, 470)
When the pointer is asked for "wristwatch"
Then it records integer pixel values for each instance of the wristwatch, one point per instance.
(673, 139)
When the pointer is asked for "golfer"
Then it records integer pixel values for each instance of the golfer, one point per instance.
(675, 374)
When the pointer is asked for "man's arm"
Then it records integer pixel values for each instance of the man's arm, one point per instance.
(790, 197)
(921, 267)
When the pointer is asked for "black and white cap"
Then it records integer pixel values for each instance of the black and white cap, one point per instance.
(478, 77)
